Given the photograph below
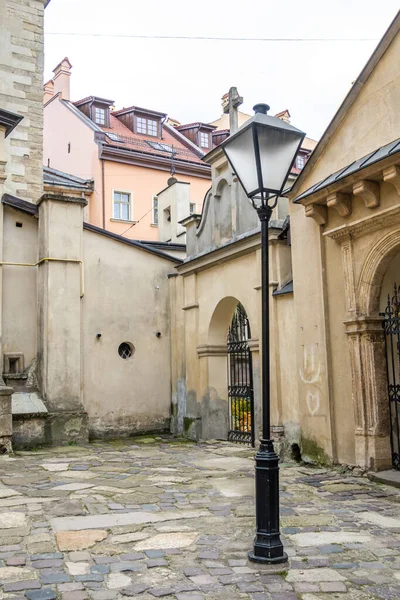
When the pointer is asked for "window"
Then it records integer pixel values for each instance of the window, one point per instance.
(204, 140)
(193, 208)
(300, 161)
(100, 116)
(147, 126)
(155, 210)
(114, 137)
(122, 206)
(160, 146)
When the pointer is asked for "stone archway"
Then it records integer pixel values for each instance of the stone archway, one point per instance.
(214, 403)
(367, 358)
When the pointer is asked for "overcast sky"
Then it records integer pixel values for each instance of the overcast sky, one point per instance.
(186, 78)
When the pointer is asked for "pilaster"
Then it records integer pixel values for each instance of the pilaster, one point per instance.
(59, 299)
(369, 386)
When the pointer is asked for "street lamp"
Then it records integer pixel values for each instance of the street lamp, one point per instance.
(261, 154)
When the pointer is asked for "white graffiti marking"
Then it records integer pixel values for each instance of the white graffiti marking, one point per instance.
(311, 369)
(313, 402)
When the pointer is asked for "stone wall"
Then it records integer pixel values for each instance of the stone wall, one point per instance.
(21, 92)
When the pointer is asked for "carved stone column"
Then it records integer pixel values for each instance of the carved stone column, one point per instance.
(369, 387)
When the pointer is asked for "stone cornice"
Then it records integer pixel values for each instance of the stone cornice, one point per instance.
(368, 224)
(61, 198)
(369, 191)
(364, 183)
(152, 161)
(190, 306)
(363, 325)
(212, 350)
(221, 255)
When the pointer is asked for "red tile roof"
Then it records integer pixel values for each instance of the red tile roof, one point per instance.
(138, 142)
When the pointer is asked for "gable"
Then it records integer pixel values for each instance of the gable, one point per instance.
(370, 119)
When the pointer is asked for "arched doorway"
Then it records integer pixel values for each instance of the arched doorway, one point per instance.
(230, 366)
(240, 379)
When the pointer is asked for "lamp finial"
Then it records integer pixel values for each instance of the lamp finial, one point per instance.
(261, 108)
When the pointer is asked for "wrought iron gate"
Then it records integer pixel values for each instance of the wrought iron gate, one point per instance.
(391, 326)
(240, 380)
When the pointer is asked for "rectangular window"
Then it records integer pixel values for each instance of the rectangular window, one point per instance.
(122, 206)
(300, 161)
(155, 210)
(147, 126)
(100, 116)
(204, 140)
(193, 208)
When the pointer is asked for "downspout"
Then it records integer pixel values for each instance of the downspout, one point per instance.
(103, 193)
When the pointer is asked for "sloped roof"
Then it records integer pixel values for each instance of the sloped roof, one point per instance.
(371, 158)
(59, 178)
(119, 238)
(137, 141)
(349, 100)
(197, 124)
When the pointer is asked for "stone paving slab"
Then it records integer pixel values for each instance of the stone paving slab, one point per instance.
(154, 518)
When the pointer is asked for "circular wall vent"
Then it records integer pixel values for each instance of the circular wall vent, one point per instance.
(126, 350)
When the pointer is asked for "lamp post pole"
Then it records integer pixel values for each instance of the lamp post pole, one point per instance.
(268, 547)
(262, 152)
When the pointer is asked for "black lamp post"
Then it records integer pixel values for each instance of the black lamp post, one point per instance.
(262, 153)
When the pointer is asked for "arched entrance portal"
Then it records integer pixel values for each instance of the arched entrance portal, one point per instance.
(230, 372)
(240, 380)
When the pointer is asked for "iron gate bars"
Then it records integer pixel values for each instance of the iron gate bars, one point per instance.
(391, 326)
(240, 380)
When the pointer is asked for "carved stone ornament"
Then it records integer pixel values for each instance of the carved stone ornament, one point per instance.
(369, 191)
(392, 175)
(341, 202)
(317, 212)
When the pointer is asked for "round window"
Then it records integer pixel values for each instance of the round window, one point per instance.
(126, 350)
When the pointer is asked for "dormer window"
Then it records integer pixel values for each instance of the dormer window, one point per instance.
(147, 126)
(300, 161)
(204, 140)
(100, 116)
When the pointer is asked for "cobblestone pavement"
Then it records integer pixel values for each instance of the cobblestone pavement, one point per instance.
(155, 518)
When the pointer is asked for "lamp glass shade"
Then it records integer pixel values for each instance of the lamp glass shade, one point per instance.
(262, 153)
(240, 153)
(278, 148)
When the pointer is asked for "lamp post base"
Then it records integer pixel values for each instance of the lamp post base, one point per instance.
(268, 561)
(268, 548)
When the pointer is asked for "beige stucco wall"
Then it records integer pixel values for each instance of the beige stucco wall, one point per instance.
(203, 302)
(338, 269)
(19, 316)
(126, 300)
(372, 121)
(21, 71)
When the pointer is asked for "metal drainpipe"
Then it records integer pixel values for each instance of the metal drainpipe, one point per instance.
(103, 193)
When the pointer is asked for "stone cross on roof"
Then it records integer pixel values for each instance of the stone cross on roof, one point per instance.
(231, 103)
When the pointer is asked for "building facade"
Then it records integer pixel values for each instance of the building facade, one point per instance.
(129, 154)
(335, 300)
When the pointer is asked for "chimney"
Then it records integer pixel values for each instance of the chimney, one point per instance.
(284, 115)
(61, 79)
(225, 103)
(48, 91)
